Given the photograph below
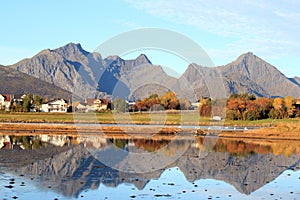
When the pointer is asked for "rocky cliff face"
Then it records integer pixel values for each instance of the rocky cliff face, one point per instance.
(87, 74)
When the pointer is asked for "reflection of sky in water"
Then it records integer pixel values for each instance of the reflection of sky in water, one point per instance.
(172, 184)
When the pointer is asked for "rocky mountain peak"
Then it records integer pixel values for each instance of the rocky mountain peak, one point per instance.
(142, 59)
(246, 58)
(71, 49)
(73, 46)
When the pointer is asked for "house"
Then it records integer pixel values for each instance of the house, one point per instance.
(80, 107)
(216, 118)
(5, 101)
(18, 98)
(297, 104)
(132, 106)
(2, 106)
(97, 104)
(58, 105)
(195, 105)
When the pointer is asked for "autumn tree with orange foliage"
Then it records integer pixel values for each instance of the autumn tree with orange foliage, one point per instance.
(279, 110)
(246, 107)
(290, 106)
(205, 107)
(169, 101)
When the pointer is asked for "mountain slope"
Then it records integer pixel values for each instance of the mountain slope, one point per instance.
(60, 67)
(15, 82)
(296, 80)
(262, 73)
(248, 74)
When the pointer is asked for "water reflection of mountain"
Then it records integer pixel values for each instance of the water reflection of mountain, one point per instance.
(71, 169)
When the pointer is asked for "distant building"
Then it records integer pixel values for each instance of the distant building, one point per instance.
(18, 98)
(5, 101)
(216, 118)
(195, 105)
(132, 106)
(297, 104)
(78, 106)
(2, 106)
(97, 104)
(59, 105)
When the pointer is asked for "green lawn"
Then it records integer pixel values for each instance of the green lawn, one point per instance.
(171, 118)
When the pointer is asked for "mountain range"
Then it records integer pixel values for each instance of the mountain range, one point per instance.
(88, 74)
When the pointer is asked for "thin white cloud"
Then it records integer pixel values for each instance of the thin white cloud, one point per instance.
(268, 28)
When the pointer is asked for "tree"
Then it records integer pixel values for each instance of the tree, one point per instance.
(120, 105)
(185, 104)
(152, 102)
(27, 102)
(279, 109)
(252, 112)
(37, 101)
(139, 105)
(237, 107)
(265, 106)
(290, 106)
(278, 103)
(169, 101)
(205, 107)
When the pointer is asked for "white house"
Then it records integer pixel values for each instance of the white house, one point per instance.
(59, 105)
(2, 106)
(195, 105)
(216, 118)
(5, 101)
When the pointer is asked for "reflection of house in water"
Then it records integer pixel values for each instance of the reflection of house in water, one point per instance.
(93, 142)
(7, 142)
(58, 140)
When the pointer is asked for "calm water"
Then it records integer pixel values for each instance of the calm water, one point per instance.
(156, 167)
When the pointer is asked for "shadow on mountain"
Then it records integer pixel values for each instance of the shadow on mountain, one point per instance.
(115, 87)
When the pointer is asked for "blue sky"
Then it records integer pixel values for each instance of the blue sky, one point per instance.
(224, 29)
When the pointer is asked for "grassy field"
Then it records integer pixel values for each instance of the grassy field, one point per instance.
(170, 118)
(108, 117)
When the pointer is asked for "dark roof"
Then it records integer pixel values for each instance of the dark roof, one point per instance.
(18, 96)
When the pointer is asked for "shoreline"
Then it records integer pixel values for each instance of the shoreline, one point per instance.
(281, 132)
